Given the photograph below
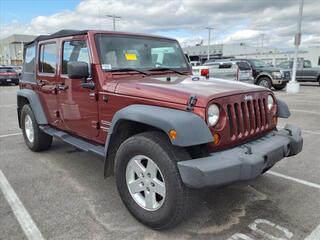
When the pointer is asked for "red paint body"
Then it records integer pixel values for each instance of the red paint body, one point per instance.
(88, 113)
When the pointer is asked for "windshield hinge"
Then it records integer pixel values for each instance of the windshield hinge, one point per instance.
(191, 102)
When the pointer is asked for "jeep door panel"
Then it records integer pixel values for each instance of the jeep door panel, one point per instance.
(47, 79)
(77, 106)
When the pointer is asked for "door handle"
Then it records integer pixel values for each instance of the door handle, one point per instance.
(62, 87)
(40, 83)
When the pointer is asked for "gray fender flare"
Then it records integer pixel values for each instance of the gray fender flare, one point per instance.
(35, 104)
(283, 109)
(191, 129)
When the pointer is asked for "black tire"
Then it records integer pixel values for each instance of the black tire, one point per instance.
(179, 199)
(41, 141)
(265, 82)
(280, 87)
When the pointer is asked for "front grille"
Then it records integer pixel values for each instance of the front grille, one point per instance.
(286, 74)
(247, 118)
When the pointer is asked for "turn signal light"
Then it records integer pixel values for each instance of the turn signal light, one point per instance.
(204, 72)
(216, 138)
(275, 120)
(173, 134)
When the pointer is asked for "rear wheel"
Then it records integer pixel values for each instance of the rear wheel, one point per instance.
(149, 182)
(264, 82)
(35, 139)
(281, 86)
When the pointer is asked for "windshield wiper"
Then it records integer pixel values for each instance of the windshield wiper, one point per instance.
(127, 70)
(167, 69)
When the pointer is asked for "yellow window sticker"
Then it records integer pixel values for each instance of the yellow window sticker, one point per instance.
(131, 57)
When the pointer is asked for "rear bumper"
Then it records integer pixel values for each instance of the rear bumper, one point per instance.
(8, 80)
(244, 162)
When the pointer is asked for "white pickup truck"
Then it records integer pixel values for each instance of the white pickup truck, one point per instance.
(229, 70)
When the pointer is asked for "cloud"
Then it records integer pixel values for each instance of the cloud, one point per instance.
(234, 20)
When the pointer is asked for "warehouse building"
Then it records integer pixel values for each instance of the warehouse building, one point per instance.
(11, 49)
(271, 55)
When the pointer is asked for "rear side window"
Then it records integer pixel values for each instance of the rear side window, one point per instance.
(29, 59)
(4, 70)
(243, 66)
(74, 51)
(48, 58)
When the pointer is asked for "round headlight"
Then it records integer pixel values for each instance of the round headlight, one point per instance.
(213, 114)
(270, 102)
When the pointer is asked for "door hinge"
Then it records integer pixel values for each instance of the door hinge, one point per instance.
(191, 102)
(95, 124)
(93, 96)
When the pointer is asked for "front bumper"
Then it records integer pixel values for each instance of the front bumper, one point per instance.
(244, 162)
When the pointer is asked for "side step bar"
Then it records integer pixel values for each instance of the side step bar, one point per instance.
(74, 141)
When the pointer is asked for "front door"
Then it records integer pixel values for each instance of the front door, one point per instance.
(78, 106)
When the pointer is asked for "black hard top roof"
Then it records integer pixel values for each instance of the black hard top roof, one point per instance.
(62, 33)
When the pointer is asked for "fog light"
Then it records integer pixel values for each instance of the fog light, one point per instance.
(173, 134)
(216, 138)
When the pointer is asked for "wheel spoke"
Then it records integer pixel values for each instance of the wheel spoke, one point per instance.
(159, 187)
(150, 199)
(137, 167)
(152, 168)
(135, 186)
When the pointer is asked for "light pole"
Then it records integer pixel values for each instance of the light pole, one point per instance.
(293, 85)
(114, 20)
(209, 35)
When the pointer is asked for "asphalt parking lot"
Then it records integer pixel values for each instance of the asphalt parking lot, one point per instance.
(64, 192)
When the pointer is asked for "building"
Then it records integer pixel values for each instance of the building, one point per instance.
(271, 55)
(11, 49)
(274, 58)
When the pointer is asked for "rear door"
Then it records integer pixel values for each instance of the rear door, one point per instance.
(78, 106)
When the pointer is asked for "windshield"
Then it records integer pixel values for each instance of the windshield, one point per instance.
(117, 52)
(259, 63)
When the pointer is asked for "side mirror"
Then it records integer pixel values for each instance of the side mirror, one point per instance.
(78, 70)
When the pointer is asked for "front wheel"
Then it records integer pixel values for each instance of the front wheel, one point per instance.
(35, 139)
(149, 182)
(281, 86)
(264, 82)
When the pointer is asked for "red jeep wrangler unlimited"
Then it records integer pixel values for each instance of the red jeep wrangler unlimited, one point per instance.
(162, 132)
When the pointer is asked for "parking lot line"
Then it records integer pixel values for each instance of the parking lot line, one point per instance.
(28, 226)
(8, 105)
(10, 135)
(305, 111)
(315, 234)
(310, 184)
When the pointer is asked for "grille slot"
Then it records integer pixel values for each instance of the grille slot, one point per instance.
(247, 117)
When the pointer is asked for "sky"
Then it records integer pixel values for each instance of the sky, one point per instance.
(253, 22)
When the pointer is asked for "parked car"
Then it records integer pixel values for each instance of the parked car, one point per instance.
(305, 72)
(195, 63)
(267, 76)
(18, 69)
(132, 100)
(8, 76)
(229, 70)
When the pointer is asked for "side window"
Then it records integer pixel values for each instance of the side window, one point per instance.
(48, 58)
(74, 51)
(29, 59)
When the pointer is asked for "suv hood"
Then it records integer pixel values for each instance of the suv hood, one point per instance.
(180, 88)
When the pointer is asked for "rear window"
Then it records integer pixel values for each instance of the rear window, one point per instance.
(243, 66)
(3, 70)
(29, 59)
